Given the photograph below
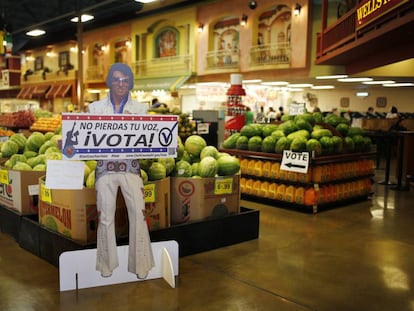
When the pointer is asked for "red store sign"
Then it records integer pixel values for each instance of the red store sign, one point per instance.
(369, 10)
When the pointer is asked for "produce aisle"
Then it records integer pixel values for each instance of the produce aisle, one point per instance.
(353, 258)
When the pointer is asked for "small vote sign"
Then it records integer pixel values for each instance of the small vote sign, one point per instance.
(295, 161)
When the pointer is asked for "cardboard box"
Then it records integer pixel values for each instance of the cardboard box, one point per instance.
(73, 212)
(194, 199)
(14, 190)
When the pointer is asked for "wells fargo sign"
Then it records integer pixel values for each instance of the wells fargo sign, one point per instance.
(369, 10)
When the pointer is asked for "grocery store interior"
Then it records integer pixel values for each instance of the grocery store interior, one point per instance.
(336, 235)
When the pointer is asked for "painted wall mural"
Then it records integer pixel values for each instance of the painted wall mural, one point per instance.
(166, 43)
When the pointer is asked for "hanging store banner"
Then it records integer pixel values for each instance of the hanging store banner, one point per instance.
(369, 10)
(118, 136)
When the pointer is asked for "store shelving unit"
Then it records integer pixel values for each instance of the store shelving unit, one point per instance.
(331, 181)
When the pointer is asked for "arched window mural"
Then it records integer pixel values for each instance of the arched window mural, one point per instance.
(225, 48)
(273, 37)
(166, 42)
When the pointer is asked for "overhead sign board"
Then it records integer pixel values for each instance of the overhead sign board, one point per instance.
(369, 10)
(118, 136)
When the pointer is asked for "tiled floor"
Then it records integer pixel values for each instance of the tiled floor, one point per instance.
(357, 257)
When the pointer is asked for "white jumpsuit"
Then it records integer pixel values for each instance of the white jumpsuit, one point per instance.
(123, 174)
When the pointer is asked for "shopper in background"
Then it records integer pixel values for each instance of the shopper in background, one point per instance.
(271, 115)
(155, 103)
(260, 116)
(280, 114)
(393, 114)
(249, 116)
(123, 174)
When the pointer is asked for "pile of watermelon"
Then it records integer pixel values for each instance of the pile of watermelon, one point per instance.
(194, 159)
(306, 132)
(31, 153)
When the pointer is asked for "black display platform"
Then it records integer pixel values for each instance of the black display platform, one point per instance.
(192, 238)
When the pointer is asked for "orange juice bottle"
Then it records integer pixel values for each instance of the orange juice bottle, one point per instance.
(290, 194)
(310, 196)
(304, 177)
(275, 170)
(292, 176)
(256, 187)
(250, 167)
(264, 189)
(249, 186)
(243, 185)
(300, 195)
(267, 169)
(334, 195)
(243, 166)
(258, 168)
(283, 175)
(280, 193)
(272, 190)
(317, 174)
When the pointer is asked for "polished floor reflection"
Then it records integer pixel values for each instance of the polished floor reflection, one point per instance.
(357, 257)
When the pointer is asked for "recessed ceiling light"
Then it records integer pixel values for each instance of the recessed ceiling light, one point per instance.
(322, 87)
(355, 79)
(331, 77)
(35, 32)
(84, 18)
(362, 94)
(378, 82)
(301, 85)
(145, 1)
(275, 83)
(398, 84)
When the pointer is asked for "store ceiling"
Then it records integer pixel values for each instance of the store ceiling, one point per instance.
(20, 16)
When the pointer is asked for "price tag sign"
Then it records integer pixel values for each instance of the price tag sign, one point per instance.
(4, 177)
(223, 185)
(45, 194)
(149, 193)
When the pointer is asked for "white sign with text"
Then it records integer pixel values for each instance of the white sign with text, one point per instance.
(118, 136)
(295, 161)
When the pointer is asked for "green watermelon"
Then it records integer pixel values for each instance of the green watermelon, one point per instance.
(156, 171)
(228, 165)
(208, 167)
(20, 140)
(182, 169)
(8, 148)
(194, 144)
(209, 151)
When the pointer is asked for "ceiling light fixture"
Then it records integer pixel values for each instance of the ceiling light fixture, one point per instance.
(35, 32)
(355, 79)
(378, 82)
(84, 18)
(145, 1)
(362, 94)
(331, 77)
(322, 87)
(301, 85)
(398, 84)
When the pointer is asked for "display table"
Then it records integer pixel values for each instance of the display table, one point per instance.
(192, 238)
